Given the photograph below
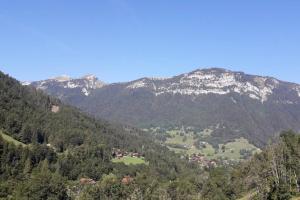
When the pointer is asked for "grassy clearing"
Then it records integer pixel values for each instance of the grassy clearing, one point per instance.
(12, 140)
(296, 198)
(250, 196)
(188, 143)
(184, 143)
(177, 150)
(232, 149)
(128, 160)
(208, 150)
(177, 139)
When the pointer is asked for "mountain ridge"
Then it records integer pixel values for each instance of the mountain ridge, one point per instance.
(250, 106)
(99, 84)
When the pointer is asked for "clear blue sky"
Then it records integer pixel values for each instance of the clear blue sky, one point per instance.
(120, 40)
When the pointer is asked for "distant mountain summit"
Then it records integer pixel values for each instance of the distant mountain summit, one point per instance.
(231, 104)
(66, 87)
(212, 81)
(84, 84)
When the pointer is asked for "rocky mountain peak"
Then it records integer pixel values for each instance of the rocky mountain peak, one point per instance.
(85, 84)
(212, 70)
(211, 81)
(217, 81)
(89, 77)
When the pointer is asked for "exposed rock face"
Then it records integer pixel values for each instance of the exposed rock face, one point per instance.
(213, 81)
(55, 109)
(232, 104)
(85, 84)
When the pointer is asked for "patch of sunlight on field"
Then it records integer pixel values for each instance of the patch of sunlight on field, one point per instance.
(128, 160)
(188, 143)
(248, 196)
(232, 149)
(12, 140)
(185, 144)
(178, 139)
(296, 198)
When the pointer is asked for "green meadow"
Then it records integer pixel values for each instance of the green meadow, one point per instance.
(128, 160)
(12, 140)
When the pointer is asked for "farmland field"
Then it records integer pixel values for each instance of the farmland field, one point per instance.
(128, 160)
(187, 142)
(232, 149)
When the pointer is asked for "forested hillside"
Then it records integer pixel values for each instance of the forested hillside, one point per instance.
(273, 174)
(52, 151)
(30, 116)
(64, 145)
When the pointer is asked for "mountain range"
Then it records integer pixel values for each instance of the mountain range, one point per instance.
(230, 104)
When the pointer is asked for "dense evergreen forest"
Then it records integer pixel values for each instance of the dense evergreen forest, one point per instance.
(63, 147)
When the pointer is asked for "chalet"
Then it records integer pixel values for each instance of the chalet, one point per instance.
(202, 161)
(196, 158)
(54, 108)
(212, 164)
(117, 153)
(136, 155)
